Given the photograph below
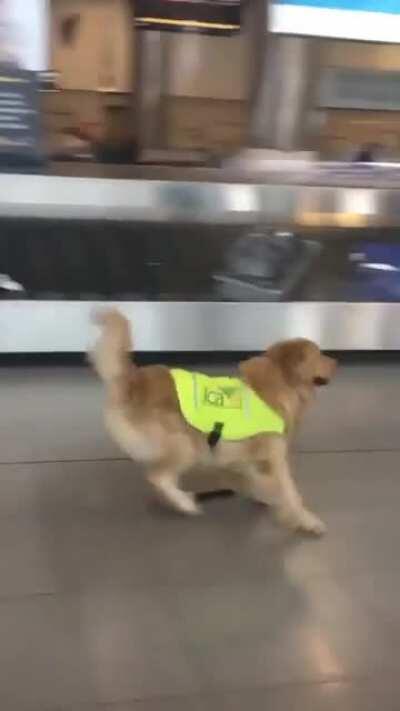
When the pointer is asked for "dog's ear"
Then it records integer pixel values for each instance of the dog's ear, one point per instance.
(265, 376)
(261, 373)
(292, 360)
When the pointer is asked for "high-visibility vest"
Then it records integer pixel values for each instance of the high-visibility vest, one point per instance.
(224, 401)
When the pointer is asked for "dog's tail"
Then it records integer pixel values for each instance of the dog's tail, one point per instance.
(111, 354)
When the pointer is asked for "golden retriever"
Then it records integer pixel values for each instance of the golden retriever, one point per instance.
(144, 418)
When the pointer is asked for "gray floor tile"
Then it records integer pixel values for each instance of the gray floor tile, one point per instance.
(357, 495)
(113, 488)
(353, 544)
(171, 703)
(377, 591)
(43, 655)
(107, 598)
(136, 647)
(357, 696)
(357, 411)
(350, 482)
(98, 553)
(25, 565)
(284, 632)
(52, 413)
(78, 524)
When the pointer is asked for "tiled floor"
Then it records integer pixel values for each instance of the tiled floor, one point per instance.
(109, 603)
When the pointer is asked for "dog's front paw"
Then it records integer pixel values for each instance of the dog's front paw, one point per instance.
(302, 520)
(188, 505)
(310, 523)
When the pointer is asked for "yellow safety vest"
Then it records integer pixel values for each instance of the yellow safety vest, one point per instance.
(227, 402)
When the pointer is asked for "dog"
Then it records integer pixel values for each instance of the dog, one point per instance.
(144, 415)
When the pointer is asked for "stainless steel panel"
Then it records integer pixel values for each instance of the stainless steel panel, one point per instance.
(46, 326)
(256, 15)
(284, 73)
(279, 202)
(154, 201)
(151, 58)
(285, 100)
(293, 169)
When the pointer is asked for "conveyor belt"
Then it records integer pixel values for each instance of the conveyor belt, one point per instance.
(194, 287)
(128, 261)
(199, 266)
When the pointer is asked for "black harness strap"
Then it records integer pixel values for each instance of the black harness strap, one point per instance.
(213, 439)
(215, 434)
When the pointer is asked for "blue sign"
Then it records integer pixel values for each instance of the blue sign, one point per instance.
(371, 20)
(388, 6)
(19, 118)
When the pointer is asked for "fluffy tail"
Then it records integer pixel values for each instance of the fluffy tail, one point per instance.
(111, 354)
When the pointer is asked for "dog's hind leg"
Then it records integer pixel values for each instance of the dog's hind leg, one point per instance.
(165, 481)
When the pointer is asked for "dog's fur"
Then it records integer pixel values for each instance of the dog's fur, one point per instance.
(143, 416)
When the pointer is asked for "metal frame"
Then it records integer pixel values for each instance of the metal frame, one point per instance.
(59, 326)
(281, 203)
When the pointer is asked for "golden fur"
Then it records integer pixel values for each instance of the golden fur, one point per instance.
(143, 416)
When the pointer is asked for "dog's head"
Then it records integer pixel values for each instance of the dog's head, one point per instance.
(301, 363)
(289, 367)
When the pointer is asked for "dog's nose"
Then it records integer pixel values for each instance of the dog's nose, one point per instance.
(319, 381)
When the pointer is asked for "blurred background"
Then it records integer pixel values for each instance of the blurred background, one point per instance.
(207, 158)
(209, 76)
(227, 174)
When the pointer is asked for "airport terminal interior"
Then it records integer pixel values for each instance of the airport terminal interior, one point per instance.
(226, 174)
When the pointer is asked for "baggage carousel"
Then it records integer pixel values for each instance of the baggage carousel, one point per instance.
(201, 259)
